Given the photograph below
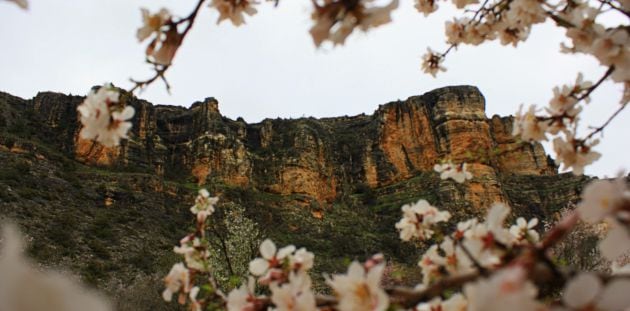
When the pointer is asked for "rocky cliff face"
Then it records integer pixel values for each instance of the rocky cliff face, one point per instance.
(332, 185)
(313, 158)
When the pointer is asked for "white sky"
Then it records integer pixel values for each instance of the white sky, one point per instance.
(270, 67)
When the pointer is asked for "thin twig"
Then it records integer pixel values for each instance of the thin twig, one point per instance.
(159, 69)
(597, 84)
(603, 126)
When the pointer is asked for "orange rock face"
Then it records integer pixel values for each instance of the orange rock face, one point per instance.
(89, 151)
(407, 139)
(319, 159)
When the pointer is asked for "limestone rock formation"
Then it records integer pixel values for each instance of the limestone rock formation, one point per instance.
(312, 158)
(332, 185)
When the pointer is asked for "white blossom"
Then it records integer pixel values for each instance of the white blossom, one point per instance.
(460, 4)
(426, 7)
(234, 10)
(302, 260)
(360, 289)
(432, 62)
(242, 298)
(271, 259)
(418, 219)
(617, 241)
(507, 289)
(376, 16)
(456, 302)
(195, 256)
(482, 238)
(523, 230)
(195, 305)
(455, 259)
(152, 23)
(24, 288)
(527, 125)
(572, 154)
(177, 279)
(586, 291)
(204, 205)
(430, 264)
(336, 22)
(456, 172)
(102, 119)
(526, 12)
(296, 295)
(602, 198)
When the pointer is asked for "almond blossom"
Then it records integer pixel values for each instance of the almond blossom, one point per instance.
(617, 241)
(25, 287)
(603, 198)
(431, 264)
(612, 49)
(426, 7)
(456, 30)
(336, 20)
(456, 172)
(528, 127)
(456, 260)
(152, 23)
(234, 10)
(432, 62)
(456, 302)
(507, 289)
(460, 4)
(296, 295)
(102, 117)
(195, 305)
(482, 239)
(360, 289)
(523, 230)
(564, 99)
(243, 298)
(526, 12)
(204, 205)
(418, 219)
(195, 256)
(573, 154)
(177, 279)
(302, 260)
(587, 292)
(268, 267)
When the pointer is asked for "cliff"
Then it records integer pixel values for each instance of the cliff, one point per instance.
(310, 157)
(333, 185)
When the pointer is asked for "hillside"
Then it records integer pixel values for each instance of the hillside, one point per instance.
(333, 185)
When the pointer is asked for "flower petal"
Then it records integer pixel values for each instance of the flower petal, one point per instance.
(268, 249)
(582, 290)
(258, 266)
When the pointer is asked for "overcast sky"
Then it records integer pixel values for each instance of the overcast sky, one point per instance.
(270, 67)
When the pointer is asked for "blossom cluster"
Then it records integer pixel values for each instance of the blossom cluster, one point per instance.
(23, 286)
(418, 219)
(456, 172)
(285, 272)
(335, 20)
(510, 22)
(104, 117)
(563, 116)
(194, 248)
(609, 201)
(476, 245)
